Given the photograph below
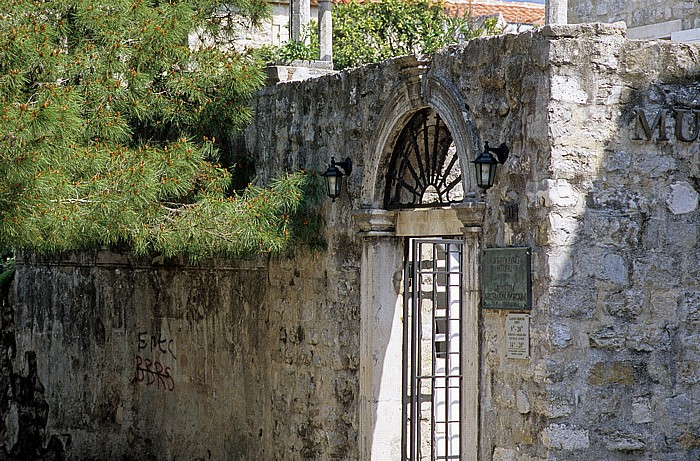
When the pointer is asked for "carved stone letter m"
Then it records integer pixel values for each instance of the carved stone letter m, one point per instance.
(659, 123)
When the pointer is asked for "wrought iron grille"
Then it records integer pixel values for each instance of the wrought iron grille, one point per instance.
(432, 379)
(424, 170)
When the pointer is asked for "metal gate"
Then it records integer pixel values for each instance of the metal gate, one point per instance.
(432, 379)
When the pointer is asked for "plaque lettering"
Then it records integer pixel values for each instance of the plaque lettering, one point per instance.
(518, 336)
(506, 279)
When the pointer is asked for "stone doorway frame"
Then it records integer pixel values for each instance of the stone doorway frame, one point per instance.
(383, 234)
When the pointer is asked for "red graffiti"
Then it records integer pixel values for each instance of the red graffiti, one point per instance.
(153, 372)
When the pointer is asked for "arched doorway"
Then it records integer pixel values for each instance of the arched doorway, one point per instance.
(420, 230)
(424, 172)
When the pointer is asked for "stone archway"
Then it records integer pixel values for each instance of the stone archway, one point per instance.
(409, 96)
(384, 229)
(424, 169)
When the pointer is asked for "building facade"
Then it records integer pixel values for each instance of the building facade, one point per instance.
(677, 20)
(513, 17)
(553, 316)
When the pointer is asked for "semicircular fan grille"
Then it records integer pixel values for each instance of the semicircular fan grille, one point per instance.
(424, 170)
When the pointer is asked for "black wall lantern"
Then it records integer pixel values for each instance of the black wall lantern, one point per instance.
(334, 176)
(486, 164)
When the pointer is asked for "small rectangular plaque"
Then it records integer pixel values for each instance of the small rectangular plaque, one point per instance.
(505, 279)
(518, 336)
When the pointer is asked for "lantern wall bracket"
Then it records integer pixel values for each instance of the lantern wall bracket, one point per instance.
(487, 162)
(345, 165)
(500, 151)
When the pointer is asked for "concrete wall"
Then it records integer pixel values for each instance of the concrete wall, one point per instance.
(161, 361)
(298, 356)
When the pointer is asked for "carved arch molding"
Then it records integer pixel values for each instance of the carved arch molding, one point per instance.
(425, 140)
(424, 169)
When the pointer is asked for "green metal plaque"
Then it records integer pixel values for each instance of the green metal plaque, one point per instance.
(505, 279)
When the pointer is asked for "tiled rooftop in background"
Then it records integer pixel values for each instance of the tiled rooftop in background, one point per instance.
(512, 12)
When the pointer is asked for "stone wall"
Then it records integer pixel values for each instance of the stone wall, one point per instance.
(612, 223)
(615, 369)
(162, 361)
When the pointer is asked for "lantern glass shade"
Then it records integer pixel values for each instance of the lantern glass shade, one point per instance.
(334, 182)
(485, 165)
(334, 176)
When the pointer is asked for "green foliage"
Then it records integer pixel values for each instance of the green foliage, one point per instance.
(374, 31)
(306, 49)
(7, 271)
(111, 129)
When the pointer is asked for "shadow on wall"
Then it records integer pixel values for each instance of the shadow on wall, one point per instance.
(23, 408)
(623, 303)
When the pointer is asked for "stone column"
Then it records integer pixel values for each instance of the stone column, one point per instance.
(299, 14)
(471, 214)
(381, 337)
(325, 30)
(555, 12)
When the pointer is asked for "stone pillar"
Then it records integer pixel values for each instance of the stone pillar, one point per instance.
(325, 30)
(555, 12)
(381, 322)
(299, 14)
(471, 214)
(381, 337)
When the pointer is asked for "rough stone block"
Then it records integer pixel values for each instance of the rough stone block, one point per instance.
(572, 301)
(626, 305)
(641, 410)
(522, 402)
(682, 199)
(604, 373)
(645, 338)
(511, 454)
(564, 229)
(558, 193)
(560, 266)
(611, 229)
(689, 371)
(601, 264)
(621, 441)
(564, 437)
(568, 89)
(559, 335)
(608, 337)
(552, 407)
(689, 440)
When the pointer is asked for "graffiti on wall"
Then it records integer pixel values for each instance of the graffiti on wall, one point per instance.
(151, 371)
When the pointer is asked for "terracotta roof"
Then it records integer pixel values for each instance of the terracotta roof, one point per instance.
(512, 12)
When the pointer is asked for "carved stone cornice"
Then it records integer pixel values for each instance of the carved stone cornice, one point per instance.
(471, 212)
(375, 222)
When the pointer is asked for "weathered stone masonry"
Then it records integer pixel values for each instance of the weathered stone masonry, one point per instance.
(294, 357)
(164, 361)
(614, 373)
(635, 12)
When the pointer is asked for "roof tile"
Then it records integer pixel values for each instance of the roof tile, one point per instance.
(512, 12)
